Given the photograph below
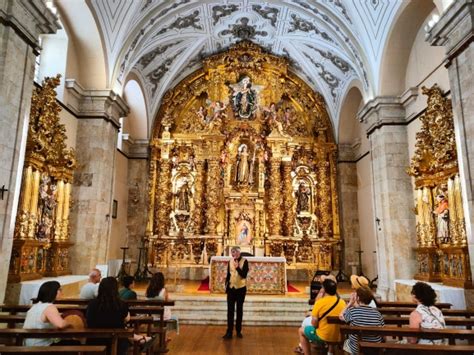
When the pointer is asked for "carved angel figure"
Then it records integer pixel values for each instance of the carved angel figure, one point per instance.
(275, 120)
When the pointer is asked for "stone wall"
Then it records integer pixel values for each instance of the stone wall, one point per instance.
(21, 23)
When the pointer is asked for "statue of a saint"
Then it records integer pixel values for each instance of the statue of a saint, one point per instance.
(244, 98)
(183, 197)
(442, 218)
(243, 166)
(302, 195)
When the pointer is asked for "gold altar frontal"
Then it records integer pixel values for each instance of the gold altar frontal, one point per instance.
(242, 153)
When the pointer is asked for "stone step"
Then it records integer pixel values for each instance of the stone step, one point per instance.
(258, 310)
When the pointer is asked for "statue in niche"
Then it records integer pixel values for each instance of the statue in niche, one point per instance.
(442, 219)
(47, 201)
(302, 197)
(244, 98)
(243, 234)
(183, 195)
(242, 170)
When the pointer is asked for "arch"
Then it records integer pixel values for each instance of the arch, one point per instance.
(87, 60)
(349, 126)
(398, 46)
(136, 123)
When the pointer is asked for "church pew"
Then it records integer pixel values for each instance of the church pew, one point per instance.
(400, 321)
(129, 302)
(387, 331)
(466, 313)
(65, 349)
(20, 334)
(428, 349)
(396, 304)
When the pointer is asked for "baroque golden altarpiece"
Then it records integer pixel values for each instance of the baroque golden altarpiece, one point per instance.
(242, 153)
(442, 253)
(41, 238)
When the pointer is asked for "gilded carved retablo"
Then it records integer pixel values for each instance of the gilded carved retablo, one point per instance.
(243, 154)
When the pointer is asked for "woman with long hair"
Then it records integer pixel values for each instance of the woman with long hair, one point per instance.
(109, 311)
(156, 290)
(45, 315)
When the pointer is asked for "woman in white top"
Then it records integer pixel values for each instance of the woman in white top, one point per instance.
(426, 315)
(45, 315)
(156, 290)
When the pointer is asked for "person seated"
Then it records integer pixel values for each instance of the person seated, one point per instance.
(359, 313)
(361, 281)
(126, 293)
(91, 288)
(307, 320)
(320, 331)
(156, 291)
(109, 311)
(426, 315)
(45, 315)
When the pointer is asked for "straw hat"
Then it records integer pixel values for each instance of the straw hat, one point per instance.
(359, 281)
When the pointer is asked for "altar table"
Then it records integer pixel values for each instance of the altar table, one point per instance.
(267, 275)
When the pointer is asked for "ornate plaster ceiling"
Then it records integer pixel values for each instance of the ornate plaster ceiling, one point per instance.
(330, 43)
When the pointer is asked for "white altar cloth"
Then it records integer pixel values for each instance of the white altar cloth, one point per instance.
(267, 275)
(445, 294)
(70, 285)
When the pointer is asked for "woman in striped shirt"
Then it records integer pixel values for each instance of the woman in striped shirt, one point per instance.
(359, 313)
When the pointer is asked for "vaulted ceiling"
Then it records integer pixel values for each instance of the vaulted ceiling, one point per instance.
(330, 43)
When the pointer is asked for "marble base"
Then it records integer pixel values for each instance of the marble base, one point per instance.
(23, 292)
(455, 295)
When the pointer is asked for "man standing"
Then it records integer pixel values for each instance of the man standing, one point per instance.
(236, 289)
(91, 289)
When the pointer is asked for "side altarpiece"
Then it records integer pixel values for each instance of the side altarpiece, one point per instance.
(242, 153)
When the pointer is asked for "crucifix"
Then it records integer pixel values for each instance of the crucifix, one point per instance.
(2, 191)
(359, 252)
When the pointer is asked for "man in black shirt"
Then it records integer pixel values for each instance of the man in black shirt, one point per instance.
(236, 289)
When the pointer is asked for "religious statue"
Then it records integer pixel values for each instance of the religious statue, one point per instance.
(302, 196)
(442, 218)
(243, 166)
(47, 200)
(275, 120)
(244, 98)
(183, 197)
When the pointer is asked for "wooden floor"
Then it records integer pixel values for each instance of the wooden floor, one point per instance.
(205, 339)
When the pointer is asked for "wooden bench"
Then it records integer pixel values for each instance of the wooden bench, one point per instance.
(396, 304)
(379, 348)
(387, 331)
(400, 321)
(66, 349)
(466, 313)
(113, 334)
(152, 302)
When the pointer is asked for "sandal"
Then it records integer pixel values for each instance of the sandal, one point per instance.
(298, 350)
(145, 345)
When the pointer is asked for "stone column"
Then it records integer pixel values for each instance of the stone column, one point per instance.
(21, 23)
(347, 177)
(98, 113)
(455, 31)
(393, 193)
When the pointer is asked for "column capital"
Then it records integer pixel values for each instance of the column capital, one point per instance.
(96, 104)
(382, 111)
(455, 28)
(29, 19)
